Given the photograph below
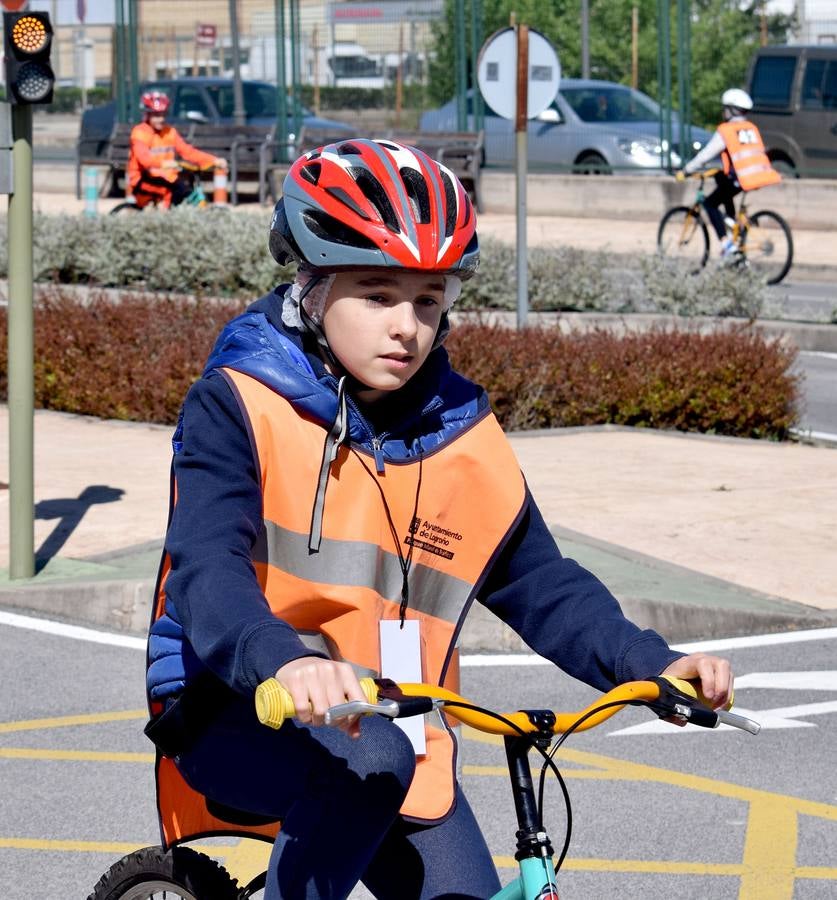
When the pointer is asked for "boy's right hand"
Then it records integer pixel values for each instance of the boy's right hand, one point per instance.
(317, 684)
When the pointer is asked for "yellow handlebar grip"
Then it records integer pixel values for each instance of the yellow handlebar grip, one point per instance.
(692, 689)
(274, 703)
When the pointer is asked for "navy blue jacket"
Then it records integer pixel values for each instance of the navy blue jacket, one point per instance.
(217, 618)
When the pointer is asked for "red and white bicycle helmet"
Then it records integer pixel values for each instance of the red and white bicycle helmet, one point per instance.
(154, 103)
(360, 204)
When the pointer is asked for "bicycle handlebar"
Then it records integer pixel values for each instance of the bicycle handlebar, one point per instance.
(668, 697)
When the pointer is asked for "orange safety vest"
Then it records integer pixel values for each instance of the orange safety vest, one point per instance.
(150, 148)
(472, 495)
(744, 154)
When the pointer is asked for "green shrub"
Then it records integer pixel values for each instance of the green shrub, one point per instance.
(136, 356)
(222, 253)
(732, 381)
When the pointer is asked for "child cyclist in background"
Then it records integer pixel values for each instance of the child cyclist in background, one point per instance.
(746, 166)
(326, 445)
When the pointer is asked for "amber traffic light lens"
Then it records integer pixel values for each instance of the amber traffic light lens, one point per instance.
(29, 34)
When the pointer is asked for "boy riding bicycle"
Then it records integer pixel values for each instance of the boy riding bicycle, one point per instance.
(155, 146)
(341, 495)
(746, 165)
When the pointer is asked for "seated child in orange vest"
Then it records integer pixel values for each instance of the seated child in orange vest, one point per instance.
(327, 442)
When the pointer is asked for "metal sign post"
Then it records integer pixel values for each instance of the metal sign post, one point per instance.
(518, 74)
(18, 121)
(521, 133)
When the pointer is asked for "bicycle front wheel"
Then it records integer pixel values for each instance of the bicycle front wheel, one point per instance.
(768, 246)
(128, 206)
(682, 236)
(154, 874)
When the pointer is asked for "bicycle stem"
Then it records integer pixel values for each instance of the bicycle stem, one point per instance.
(532, 841)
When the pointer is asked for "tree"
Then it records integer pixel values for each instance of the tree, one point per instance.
(724, 35)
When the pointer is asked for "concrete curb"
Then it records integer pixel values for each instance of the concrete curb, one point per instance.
(125, 607)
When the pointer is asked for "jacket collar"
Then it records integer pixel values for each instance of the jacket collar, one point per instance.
(432, 407)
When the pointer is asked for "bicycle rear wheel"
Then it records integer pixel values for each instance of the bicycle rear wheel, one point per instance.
(682, 236)
(179, 874)
(768, 246)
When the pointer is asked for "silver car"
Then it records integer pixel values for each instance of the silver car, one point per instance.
(592, 126)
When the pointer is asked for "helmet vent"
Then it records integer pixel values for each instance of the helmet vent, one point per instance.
(348, 150)
(417, 194)
(311, 173)
(374, 192)
(339, 194)
(387, 146)
(450, 204)
(468, 211)
(327, 228)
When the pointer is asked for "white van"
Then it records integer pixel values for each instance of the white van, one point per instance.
(794, 91)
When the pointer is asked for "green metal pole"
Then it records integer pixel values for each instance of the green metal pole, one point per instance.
(281, 80)
(295, 64)
(664, 78)
(476, 44)
(120, 67)
(133, 55)
(683, 78)
(461, 68)
(21, 353)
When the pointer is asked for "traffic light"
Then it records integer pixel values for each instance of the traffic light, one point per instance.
(27, 39)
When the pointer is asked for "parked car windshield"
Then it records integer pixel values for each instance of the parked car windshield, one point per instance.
(611, 104)
(259, 100)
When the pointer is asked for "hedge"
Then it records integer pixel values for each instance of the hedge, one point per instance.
(220, 253)
(135, 357)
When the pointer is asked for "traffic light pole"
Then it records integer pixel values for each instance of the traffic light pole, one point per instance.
(21, 353)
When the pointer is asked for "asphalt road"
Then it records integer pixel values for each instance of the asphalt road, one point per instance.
(657, 813)
(819, 390)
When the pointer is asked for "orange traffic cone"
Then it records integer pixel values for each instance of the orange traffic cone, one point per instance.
(220, 195)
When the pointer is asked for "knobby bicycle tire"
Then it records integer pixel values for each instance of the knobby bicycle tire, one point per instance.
(682, 234)
(177, 874)
(779, 264)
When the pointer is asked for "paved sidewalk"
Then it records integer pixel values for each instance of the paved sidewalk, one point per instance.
(697, 536)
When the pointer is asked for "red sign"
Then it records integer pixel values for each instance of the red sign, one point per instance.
(206, 35)
(14, 5)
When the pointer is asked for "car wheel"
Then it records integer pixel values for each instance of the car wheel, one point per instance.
(592, 164)
(784, 167)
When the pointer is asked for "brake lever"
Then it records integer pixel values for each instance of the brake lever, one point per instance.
(387, 708)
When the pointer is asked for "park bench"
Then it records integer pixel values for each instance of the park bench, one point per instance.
(308, 139)
(460, 151)
(240, 145)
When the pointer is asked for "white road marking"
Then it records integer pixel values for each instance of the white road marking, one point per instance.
(823, 353)
(78, 632)
(782, 717)
(789, 681)
(72, 631)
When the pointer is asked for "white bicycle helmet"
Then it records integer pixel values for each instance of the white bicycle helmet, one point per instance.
(735, 98)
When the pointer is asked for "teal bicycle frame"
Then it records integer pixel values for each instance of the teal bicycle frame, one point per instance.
(534, 850)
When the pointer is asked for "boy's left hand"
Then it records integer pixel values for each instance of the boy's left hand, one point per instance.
(714, 673)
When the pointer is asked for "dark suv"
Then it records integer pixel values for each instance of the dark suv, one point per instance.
(203, 100)
(794, 91)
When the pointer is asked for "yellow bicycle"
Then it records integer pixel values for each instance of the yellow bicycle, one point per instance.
(763, 241)
(181, 872)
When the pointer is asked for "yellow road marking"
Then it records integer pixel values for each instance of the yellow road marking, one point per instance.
(75, 755)
(768, 870)
(503, 772)
(769, 850)
(65, 721)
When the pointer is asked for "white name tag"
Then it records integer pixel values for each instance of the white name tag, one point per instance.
(401, 661)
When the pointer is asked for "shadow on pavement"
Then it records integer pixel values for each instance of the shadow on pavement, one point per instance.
(69, 512)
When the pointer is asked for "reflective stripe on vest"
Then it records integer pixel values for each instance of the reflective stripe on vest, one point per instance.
(744, 153)
(471, 496)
